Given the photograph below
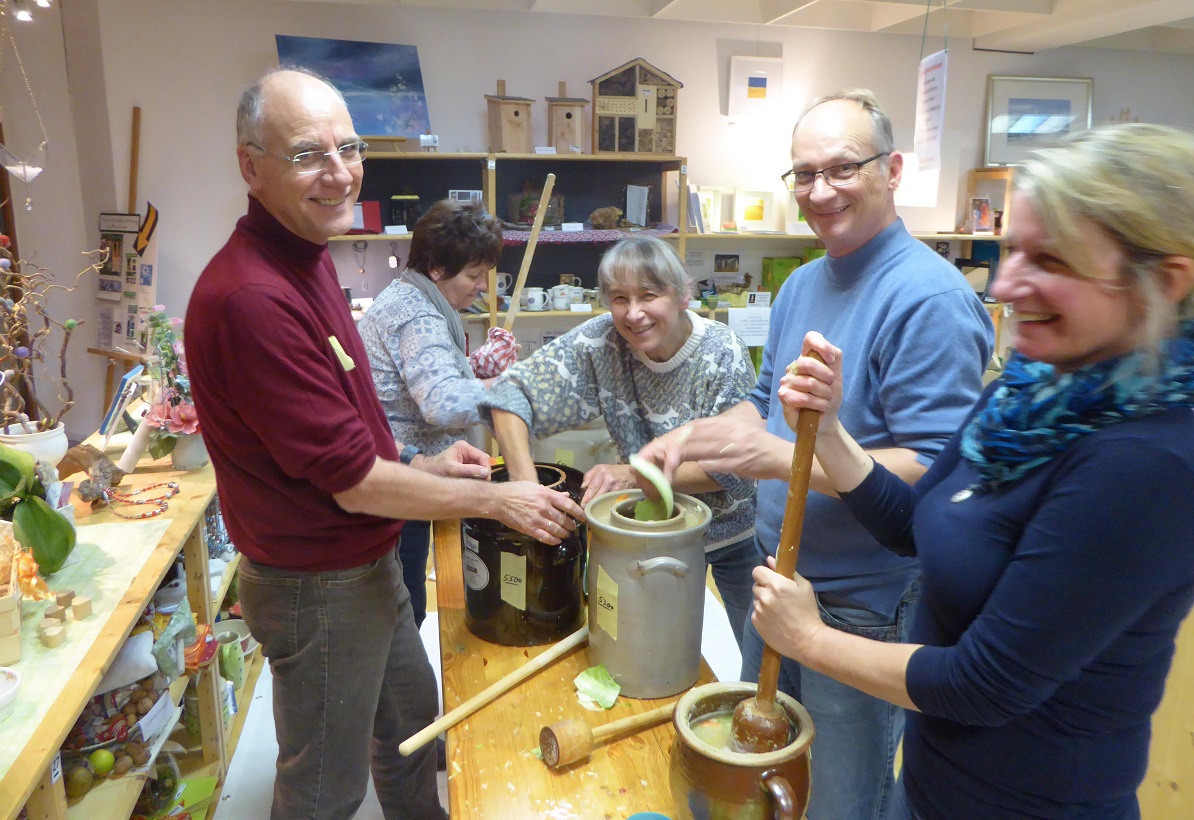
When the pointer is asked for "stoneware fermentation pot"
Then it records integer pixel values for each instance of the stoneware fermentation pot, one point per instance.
(708, 782)
(646, 585)
(519, 591)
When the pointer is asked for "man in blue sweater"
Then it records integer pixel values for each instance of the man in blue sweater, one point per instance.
(917, 341)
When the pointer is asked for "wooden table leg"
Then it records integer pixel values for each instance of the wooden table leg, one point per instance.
(48, 801)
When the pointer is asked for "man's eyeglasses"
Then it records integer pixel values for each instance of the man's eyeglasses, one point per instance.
(835, 175)
(312, 162)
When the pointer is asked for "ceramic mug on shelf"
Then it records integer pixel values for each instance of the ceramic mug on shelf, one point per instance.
(569, 279)
(576, 294)
(561, 297)
(504, 280)
(536, 298)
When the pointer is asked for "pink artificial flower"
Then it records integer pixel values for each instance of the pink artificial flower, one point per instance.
(175, 321)
(183, 419)
(159, 414)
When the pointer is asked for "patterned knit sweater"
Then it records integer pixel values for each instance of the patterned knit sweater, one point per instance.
(424, 381)
(592, 371)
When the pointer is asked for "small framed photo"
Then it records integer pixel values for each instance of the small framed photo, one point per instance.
(754, 210)
(725, 263)
(982, 218)
(459, 195)
(1024, 113)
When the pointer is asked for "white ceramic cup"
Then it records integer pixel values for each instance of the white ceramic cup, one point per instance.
(560, 298)
(536, 298)
(576, 294)
(504, 280)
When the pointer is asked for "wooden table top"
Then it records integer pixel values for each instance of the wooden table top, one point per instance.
(492, 770)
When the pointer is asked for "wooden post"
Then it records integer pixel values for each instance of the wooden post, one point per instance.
(134, 158)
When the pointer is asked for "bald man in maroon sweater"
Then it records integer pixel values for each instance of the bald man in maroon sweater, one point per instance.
(312, 484)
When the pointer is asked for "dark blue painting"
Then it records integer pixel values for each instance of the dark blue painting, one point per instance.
(381, 82)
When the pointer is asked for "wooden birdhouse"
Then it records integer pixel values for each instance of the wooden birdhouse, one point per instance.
(509, 122)
(565, 127)
(634, 109)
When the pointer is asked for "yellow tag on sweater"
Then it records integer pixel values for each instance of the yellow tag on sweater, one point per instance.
(345, 360)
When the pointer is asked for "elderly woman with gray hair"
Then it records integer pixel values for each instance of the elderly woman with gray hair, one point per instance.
(647, 367)
(1053, 530)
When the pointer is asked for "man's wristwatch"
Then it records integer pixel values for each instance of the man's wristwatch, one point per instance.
(408, 453)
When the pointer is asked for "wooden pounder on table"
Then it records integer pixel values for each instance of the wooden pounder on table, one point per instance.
(568, 741)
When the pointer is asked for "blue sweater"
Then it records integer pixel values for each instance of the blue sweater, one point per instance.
(915, 341)
(1048, 612)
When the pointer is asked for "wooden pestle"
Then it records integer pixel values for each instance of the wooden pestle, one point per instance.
(421, 738)
(568, 741)
(759, 723)
(532, 241)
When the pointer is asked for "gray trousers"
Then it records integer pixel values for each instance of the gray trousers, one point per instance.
(351, 682)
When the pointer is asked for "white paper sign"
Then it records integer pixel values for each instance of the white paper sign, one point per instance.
(930, 110)
(751, 324)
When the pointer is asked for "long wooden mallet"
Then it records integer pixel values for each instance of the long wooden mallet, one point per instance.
(568, 741)
(421, 738)
(544, 198)
(759, 724)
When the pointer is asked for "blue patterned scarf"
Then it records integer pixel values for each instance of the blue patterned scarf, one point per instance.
(1034, 414)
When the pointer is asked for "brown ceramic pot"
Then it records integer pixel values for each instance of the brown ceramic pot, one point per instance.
(717, 784)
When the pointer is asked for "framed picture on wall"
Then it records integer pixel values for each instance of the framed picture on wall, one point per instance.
(754, 84)
(1024, 113)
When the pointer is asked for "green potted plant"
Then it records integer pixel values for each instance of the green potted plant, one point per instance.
(27, 488)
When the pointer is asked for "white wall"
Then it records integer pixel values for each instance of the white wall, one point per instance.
(185, 62)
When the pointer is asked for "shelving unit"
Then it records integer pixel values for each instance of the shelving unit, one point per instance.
(34, 780)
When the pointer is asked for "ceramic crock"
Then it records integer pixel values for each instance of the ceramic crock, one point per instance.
(708, 783)
(519, 591)
(646, 584)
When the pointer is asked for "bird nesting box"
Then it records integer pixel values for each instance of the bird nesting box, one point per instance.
(509, 122)
(565, 129)
(634, 109)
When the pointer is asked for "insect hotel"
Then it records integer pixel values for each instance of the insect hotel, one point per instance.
(634, 109)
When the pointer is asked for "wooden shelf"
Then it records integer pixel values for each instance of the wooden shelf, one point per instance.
(225, 582)
(117, 796)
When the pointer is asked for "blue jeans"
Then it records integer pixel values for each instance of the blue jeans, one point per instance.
(351, 681)
(853, 753)
(732, 566)
(414, 544)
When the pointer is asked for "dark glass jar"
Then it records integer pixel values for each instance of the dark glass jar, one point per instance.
(519, 591)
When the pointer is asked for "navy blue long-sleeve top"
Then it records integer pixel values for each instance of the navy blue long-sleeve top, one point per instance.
(1048, 614)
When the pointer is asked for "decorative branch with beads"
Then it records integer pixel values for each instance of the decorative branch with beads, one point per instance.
(26, 331)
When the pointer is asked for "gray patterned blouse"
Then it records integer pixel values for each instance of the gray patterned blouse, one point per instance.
(424, 381)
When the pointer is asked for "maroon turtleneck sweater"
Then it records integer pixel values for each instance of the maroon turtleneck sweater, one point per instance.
(286, 422)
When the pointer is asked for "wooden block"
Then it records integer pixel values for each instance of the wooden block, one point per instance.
(63, 598)
(46, 623)
(56, 612)
(52, 636)
(10, 648)
(81, 608)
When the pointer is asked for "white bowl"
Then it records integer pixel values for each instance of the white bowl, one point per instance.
(248, 643)
(10, 681)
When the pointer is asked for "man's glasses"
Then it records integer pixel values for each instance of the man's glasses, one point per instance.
(312, 162)
(835, 175)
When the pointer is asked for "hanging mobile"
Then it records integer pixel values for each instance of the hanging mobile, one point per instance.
(359, 249)
(393, 260)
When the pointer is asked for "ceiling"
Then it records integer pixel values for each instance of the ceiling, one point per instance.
(1162, 26)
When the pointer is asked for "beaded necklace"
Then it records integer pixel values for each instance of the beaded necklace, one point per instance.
(159, 500)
